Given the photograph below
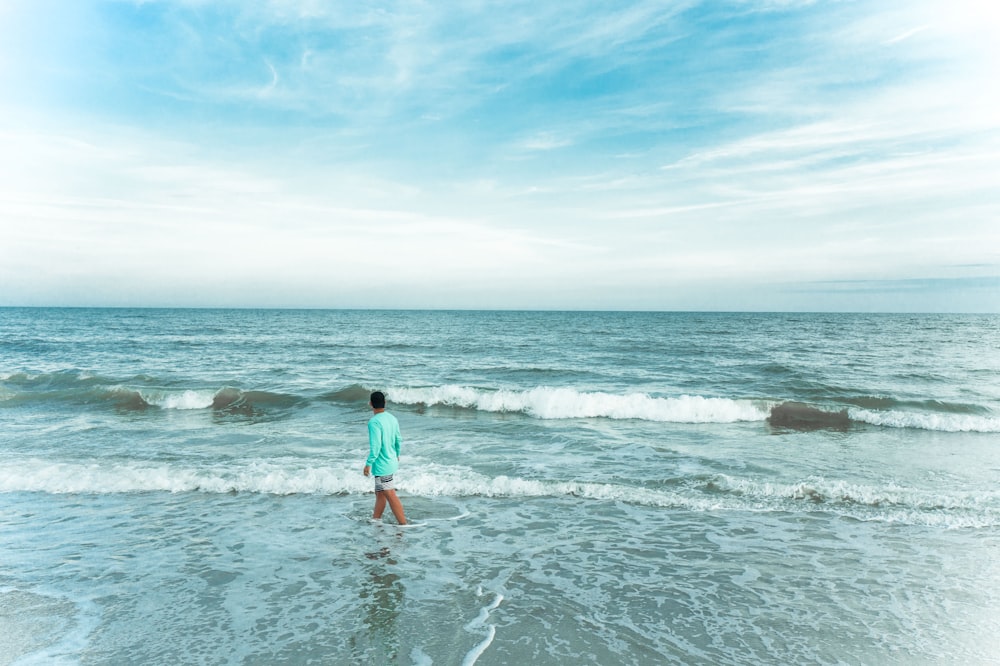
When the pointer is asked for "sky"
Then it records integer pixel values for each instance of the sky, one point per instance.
(749, 155)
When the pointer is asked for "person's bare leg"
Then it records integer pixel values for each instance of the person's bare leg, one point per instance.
(395, 505)
(379, 505)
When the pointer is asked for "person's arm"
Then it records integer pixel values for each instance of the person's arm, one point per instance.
(374, 445)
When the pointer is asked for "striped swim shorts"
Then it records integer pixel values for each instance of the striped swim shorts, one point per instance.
(384, 483)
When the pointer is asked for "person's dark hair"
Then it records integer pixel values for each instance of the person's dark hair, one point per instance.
(378, 400)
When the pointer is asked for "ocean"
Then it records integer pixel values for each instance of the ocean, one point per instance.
(185, 487)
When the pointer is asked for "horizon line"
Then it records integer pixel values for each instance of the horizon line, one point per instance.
(496, 310)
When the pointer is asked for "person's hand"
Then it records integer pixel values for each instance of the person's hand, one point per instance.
(368, 470)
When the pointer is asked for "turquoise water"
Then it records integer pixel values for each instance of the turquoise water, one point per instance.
(184, 486)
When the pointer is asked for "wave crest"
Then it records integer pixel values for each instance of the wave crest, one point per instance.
(941, 422)
(350, 394)
(563, 403)
(138, 393)
(891, 503)
(260, 477)
(141, 392)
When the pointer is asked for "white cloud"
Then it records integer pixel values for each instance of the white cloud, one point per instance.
(147, 216)
(545, 141)
(906, 35)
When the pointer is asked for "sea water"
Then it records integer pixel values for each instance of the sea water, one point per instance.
(185, 487)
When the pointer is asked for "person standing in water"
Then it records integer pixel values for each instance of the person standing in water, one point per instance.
(384, 439)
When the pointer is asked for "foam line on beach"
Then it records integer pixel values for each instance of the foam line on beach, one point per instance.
(475, 653)
(464, 514)
(491, 631)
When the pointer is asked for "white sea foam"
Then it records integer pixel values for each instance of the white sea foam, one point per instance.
(189, 399)
(265, 478)
(420, 658)
(887, 503)
(890, 503)
(66, 648)
(475, 653)
(819, 489)
(927, 421)
(564, 403)
(491, 631)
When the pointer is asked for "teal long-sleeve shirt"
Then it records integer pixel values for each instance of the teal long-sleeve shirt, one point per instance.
(384, 439)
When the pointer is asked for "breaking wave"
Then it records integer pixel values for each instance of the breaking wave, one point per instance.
(819, 490)
(137, 393)
(892, 503)
(942, 422)
(143, 392)
(135, 477)
(565, 403)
